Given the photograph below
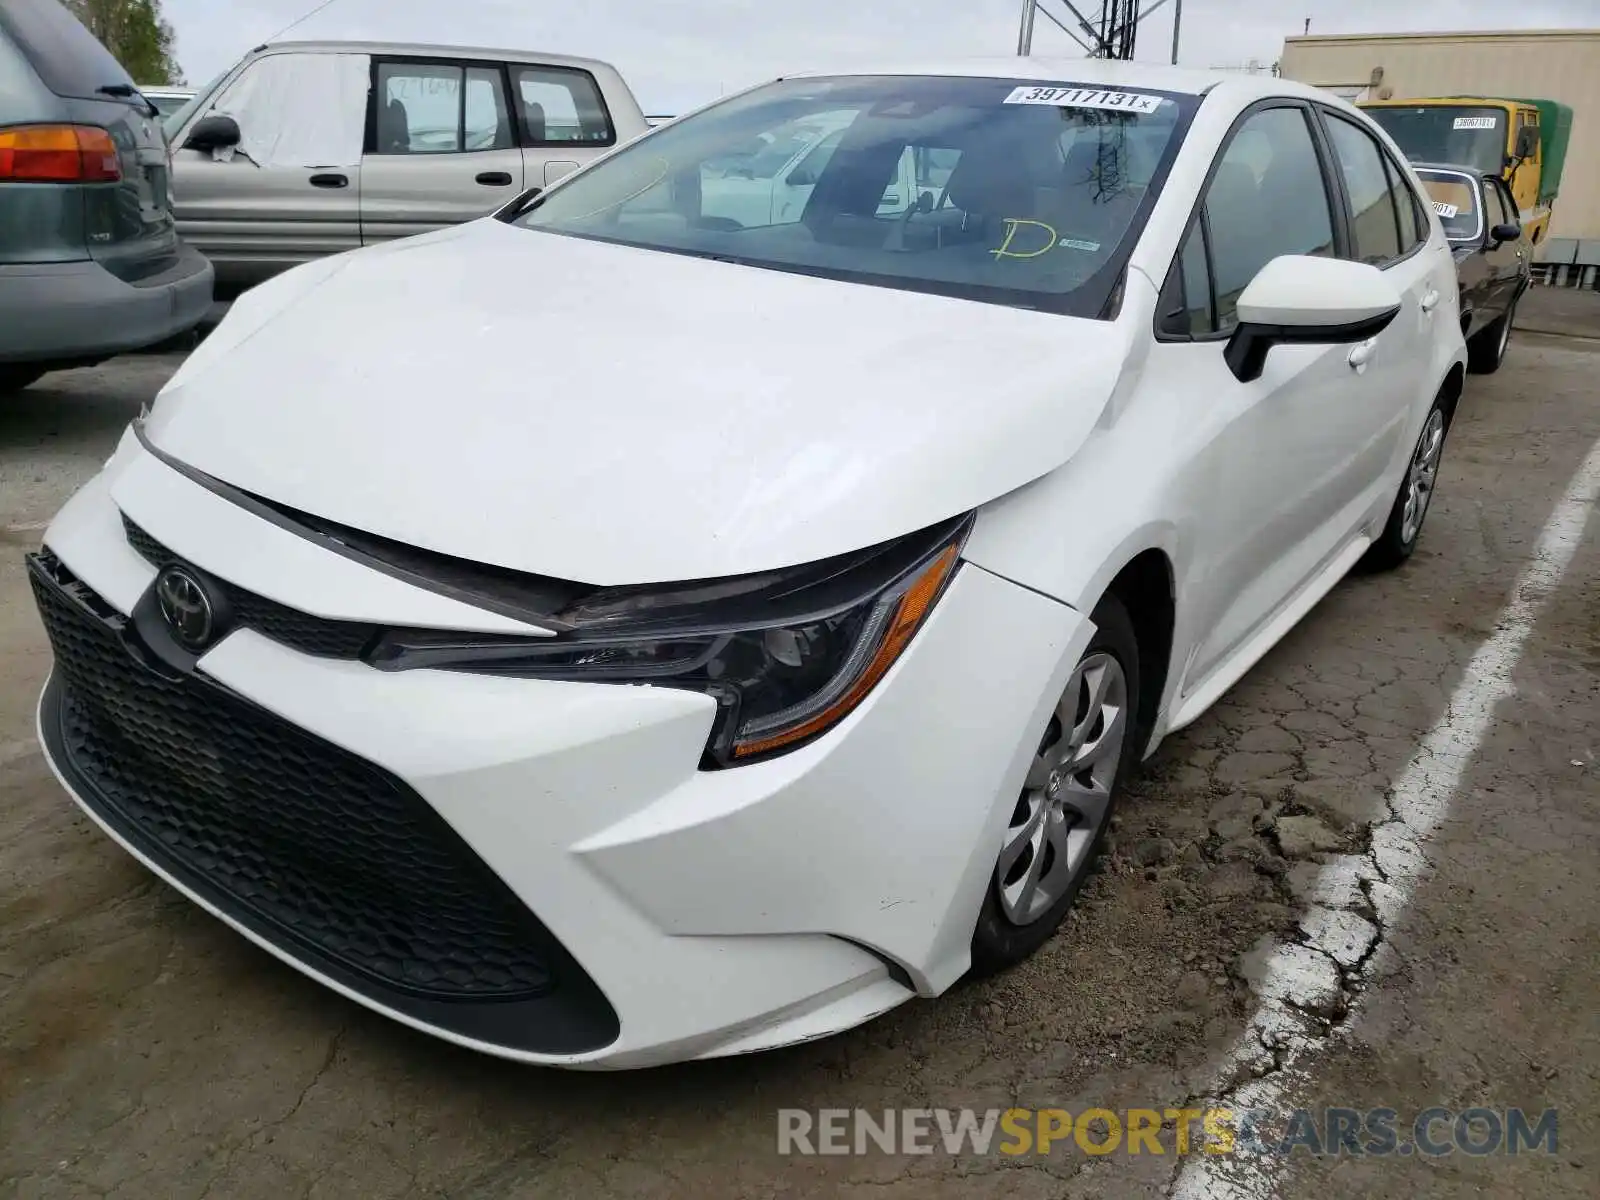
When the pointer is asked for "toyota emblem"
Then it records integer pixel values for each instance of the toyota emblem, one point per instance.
(185, 607)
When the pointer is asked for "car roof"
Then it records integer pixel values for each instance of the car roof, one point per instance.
(1242, 86)
(431, 50)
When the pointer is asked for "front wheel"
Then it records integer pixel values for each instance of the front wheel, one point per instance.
(1404, 527)
(1061, 816)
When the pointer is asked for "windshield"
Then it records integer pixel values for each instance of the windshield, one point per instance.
(986, 189)
(1473, 137)
(1455, 199)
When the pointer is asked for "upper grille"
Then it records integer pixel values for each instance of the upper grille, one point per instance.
(321, 636)
(311, 841)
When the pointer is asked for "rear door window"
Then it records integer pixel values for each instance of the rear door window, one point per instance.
(441, 108)
(65, 55)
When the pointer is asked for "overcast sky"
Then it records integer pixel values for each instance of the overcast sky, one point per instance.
(681, 53)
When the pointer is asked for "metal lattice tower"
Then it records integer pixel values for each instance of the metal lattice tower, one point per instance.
(1119, 26)
(1112, 32)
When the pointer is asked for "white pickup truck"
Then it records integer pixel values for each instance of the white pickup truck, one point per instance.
(304, 149)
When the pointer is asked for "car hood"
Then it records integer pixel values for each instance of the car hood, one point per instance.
(608, 415)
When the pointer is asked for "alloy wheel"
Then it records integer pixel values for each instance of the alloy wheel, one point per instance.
(1421, 476)
(1067, 793)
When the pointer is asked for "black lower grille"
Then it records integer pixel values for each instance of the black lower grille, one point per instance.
(327, 853)
(321, 636)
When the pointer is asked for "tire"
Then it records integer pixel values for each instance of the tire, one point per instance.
(1487, 350)
(1404, 527)
(16, 376)
(1061, 817)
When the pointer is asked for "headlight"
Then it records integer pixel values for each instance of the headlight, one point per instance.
(786, 654)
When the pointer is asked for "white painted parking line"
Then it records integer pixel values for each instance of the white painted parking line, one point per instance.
(1301, 977)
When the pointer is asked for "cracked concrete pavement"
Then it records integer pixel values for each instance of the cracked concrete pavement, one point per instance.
(145, 1050)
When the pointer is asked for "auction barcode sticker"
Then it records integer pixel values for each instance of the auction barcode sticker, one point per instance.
(1071, 97)
(1474, 123)
(1445, 210)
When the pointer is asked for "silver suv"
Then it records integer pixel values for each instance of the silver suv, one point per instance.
(311, 148)
(90, 260)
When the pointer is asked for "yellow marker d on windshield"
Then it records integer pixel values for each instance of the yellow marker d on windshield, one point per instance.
(1013, 224)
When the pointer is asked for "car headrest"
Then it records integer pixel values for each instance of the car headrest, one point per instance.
(995, 178)
(533, 117)
(1083, 161)
(1234, 186)
(394, 127)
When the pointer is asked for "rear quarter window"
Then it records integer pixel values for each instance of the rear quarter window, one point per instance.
(561, 105)
(66, 57)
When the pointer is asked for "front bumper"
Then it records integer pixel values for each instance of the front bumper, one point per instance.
(669, 912)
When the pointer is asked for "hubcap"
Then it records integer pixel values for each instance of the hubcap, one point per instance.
(1067, 793)
(1420, 478)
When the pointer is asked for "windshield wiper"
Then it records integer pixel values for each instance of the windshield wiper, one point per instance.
(126, 91)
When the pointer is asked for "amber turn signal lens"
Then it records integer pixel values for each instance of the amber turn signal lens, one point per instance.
(913, 607)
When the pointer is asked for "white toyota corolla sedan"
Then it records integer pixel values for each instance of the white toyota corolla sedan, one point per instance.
(608, 632)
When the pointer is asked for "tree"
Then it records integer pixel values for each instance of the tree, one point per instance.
(136, 34)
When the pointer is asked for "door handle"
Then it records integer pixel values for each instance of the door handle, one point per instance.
(495, 178)
(330, 181)
(1362, 354)
(1430, 301)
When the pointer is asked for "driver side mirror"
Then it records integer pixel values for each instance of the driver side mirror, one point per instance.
(1510, 231)
(1303, 300)
(213, 133)
(801, 177)
(1527, 141)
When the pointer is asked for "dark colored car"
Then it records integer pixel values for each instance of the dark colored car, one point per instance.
(90, 260)
(1493, 258)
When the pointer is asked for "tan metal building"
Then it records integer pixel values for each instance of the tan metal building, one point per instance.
(1548, 64)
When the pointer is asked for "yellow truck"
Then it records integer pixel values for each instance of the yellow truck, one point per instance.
(1523, 141)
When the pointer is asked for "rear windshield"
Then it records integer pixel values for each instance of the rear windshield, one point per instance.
(21, 94)
(1472, 136)
(65, 55)
(1003, 191)
(1455, 199)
